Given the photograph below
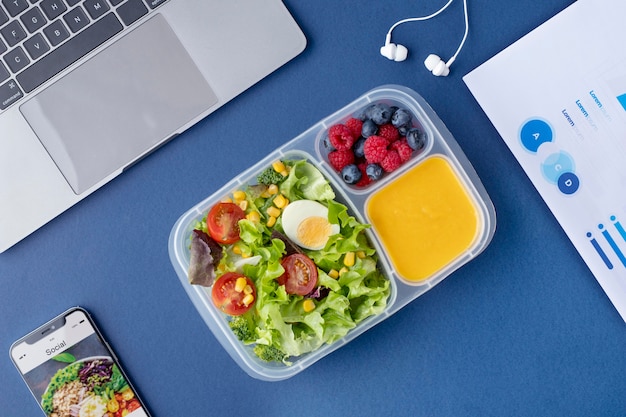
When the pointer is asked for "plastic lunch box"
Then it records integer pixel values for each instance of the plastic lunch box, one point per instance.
(310, 145)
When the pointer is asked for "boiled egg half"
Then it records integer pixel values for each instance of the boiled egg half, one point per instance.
(306, 223)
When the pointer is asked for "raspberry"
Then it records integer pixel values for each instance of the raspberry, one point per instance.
(403, 148)
(391, 161)
(388, 132)
(375, 149)
(340, 158)
(340, 137)
(355, 125)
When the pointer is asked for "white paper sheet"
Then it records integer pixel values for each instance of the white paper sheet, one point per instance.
(558, 99)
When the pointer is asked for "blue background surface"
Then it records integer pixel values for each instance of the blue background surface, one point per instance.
(522, 330)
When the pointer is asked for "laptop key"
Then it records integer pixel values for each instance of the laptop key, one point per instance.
(69, 52)
(16, 59)
(36, 46)
(76, 19)
(15, 7)
(13, 33)
(3, 17)
(56, 32)
(96, 8)
(4, 74)
(9, 93)
(53, 8)
(155, 3)
(131, 11)
(33, 19)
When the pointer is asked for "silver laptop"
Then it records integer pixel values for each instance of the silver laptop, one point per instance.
(88, 87)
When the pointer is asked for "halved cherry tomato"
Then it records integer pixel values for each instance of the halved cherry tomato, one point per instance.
(228, 299)
(222, 222)
(133, 405)
(300, 275)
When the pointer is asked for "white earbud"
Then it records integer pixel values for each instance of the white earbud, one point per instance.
(437, 66)
(394, 52)
(433, 63)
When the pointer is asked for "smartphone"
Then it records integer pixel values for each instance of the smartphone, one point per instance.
(71, 370)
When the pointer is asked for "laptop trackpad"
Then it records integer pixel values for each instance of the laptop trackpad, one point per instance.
(121, 103)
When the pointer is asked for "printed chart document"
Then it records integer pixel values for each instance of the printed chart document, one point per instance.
(558, 99)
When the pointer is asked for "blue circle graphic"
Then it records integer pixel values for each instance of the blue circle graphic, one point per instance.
(568, 183)
(534, 133)
(555, 165)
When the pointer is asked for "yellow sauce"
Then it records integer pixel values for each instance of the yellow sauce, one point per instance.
(425, 218)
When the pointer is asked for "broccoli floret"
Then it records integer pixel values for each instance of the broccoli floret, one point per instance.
(270, 176)
(243, 327)
(269, 353)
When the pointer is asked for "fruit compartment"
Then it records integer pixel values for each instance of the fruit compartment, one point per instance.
(416, 136)
(310, 145)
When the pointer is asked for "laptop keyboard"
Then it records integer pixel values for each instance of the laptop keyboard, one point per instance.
(40, 38)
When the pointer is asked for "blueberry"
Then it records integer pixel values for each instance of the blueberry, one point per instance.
(327, 145)
(374, 171)
(401, 117)
(369, 128)
(365, 114)
(351, 174)
(380, 113)
(357, 148)
(416, 139)
(403, 130)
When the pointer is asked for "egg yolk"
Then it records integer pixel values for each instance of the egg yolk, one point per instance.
(313, 232)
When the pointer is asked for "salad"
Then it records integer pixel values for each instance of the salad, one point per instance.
(286, 263)
(89, 388)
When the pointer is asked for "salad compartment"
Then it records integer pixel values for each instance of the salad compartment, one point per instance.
(434, 183)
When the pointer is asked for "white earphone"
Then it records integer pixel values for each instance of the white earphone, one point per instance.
(433, 63)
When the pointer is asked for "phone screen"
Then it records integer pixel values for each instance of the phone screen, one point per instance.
(71, 372)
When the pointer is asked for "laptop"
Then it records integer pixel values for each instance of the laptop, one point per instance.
(89, 87)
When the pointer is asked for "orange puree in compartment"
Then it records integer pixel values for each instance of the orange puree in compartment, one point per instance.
(424, 218)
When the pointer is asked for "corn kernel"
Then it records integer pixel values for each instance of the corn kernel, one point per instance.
(348, 259)
(343, 271)
(308, 305)
(247, 300)
(237, 250)
(278, 166)
(361, 254)
(254, 216)
(240, 284)
(333, 273)
(243, 204)
(273, 211)
(284, 172)
(271, 221)
(227, 200)
(239, 195)
(280, 201)
(247, 289)
(272, 189)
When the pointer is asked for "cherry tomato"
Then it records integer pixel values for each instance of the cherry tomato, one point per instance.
(133, 405)
(300, 275)
(127, 394)
(222, 222)
(113, 405)
(228, 299)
